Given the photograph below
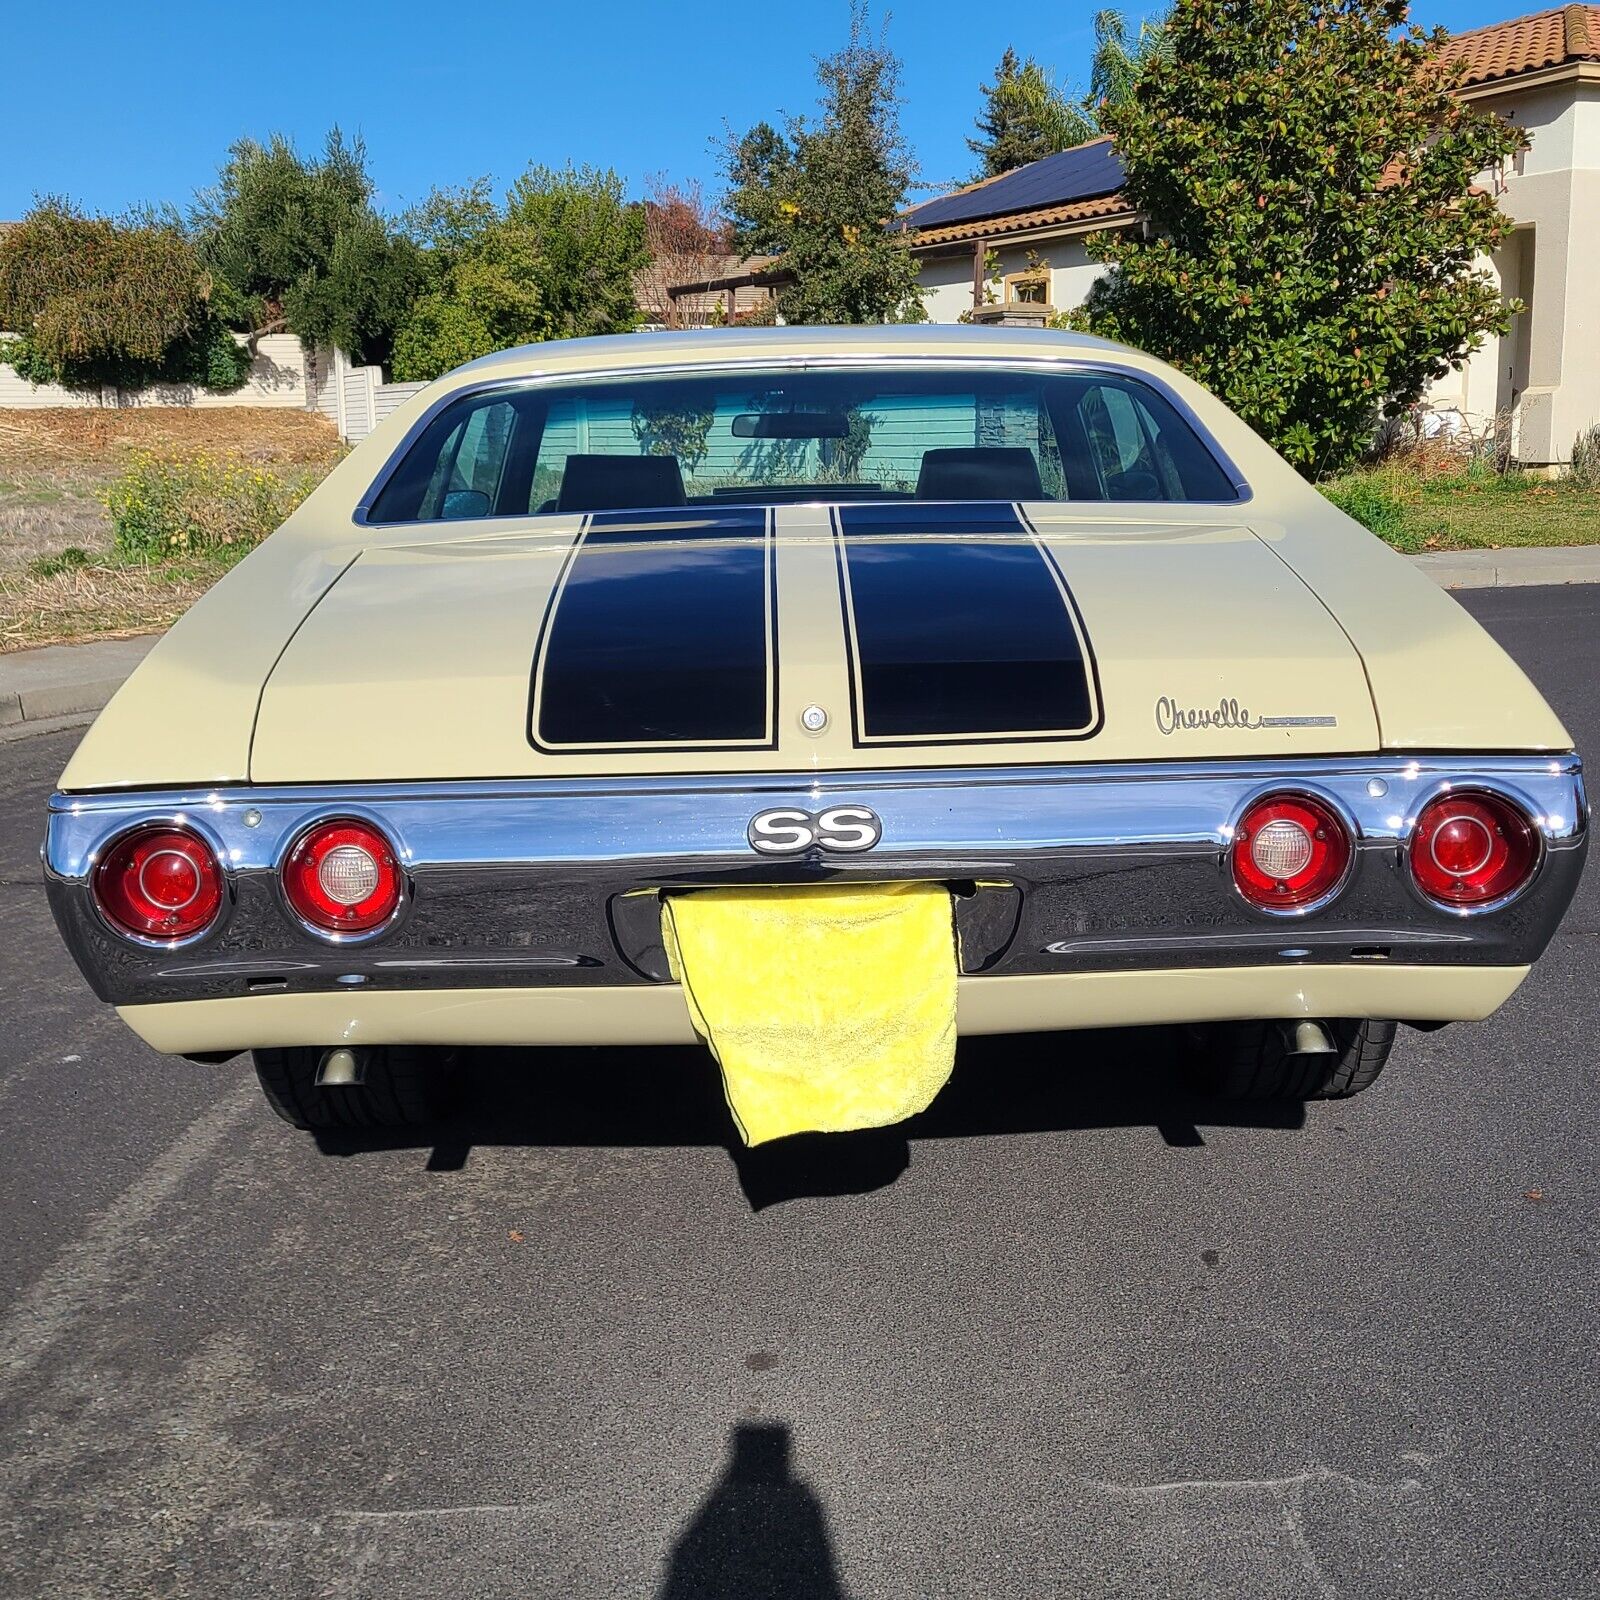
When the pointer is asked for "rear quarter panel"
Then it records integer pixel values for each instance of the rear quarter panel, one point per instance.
(1439, 681)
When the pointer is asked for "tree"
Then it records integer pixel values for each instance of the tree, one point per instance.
(100, 301)
(822, 195)
(558, 261)
(1313, 223)
(1025, 117)
(483, 272)
(1116, 63)
(296, 243)
(589, 243)
(760, 171)
(687, 243)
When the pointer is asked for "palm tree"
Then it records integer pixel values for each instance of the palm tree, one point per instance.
(1027, 115)
(1116, 63)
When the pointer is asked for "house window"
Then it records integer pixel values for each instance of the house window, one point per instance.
(1028, 288)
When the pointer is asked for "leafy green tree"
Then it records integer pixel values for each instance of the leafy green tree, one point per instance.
(559, 261)
(589, 243)
(822, 194)
(1025, 117)
(294, 242)
(760, 171)
(452, 220)
(100, 301)
(484, 292)
(1313, 221)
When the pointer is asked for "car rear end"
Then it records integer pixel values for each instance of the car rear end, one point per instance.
(1024, 629)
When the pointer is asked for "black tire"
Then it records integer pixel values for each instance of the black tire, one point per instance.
(404, 1086)
(1252, 1061)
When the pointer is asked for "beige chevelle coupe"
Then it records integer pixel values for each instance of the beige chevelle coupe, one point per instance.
(1031, 617)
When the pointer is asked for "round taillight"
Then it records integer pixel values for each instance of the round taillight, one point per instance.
(343, 877)
(159, 883)
(1469, 849)
(1288, 851)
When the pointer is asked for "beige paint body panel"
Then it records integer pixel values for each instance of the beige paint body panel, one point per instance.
(187, 715)
(656, 1014)
(417, 662)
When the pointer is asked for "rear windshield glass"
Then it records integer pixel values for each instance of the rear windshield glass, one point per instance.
(769, 438)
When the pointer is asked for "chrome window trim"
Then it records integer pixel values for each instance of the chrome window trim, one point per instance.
(1044, 367)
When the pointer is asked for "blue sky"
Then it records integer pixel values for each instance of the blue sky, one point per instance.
(131, 103)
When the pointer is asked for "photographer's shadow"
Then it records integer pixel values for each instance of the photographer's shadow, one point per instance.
(761, 1531)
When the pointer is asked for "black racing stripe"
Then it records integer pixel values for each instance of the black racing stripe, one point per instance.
(962, 628)
(660, 635)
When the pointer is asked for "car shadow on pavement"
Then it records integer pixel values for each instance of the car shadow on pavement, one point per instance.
(1019, 1083)
(760, 1531)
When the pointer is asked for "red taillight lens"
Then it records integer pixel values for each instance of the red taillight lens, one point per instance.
(1472, 848)
(1289, 850)
(343, 877)
(160, 883)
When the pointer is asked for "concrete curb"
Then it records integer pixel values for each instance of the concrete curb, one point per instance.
(65, 680)
(1511, 569)
(61, 685)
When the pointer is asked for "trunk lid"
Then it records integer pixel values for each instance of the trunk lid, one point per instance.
(695, 640)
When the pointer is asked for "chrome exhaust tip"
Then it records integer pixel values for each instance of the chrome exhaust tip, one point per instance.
(1307, 1038)
(342, 1069)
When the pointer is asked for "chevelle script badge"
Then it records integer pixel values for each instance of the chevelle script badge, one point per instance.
(787, 833)
(1174, 718)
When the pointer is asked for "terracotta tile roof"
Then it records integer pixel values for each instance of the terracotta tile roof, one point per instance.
(1011, 222)
(1527, 44)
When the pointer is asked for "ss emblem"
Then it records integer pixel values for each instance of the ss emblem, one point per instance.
(787, 833)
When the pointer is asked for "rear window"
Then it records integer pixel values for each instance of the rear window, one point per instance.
(784, 436)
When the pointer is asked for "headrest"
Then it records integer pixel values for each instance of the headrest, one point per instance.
(994, 472)
(620, 483)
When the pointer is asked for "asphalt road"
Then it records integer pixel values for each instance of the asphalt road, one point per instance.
(1076, 1336)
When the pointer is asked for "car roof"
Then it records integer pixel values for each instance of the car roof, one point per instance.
(696, 347)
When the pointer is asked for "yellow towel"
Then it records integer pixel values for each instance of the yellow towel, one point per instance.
(827, 1007)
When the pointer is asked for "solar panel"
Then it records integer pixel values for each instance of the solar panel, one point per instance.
(1082, 173)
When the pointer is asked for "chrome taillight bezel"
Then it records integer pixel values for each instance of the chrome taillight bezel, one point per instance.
(1472, 788)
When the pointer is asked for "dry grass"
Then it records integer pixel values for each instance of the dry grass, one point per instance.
(98, 440)
(100, 601)
(54, 468)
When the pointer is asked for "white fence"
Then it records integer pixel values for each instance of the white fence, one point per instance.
(278, 377)
(354, 399)
(284, 373)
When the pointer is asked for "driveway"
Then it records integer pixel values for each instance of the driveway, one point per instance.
(1074, 1334)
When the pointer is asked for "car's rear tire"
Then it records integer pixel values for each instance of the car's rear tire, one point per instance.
(1253, 1061)
(403, 1086)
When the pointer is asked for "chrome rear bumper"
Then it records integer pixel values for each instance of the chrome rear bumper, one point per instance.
(1058, 870)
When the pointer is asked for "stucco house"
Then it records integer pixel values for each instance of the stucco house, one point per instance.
(1540, 72)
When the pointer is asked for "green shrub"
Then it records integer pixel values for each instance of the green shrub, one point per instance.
(207, 356)
(1586, 457)
(212, 359)
(100, 300)
(68, 560)
(1375, 505)
(19, 352)
(166, 508)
